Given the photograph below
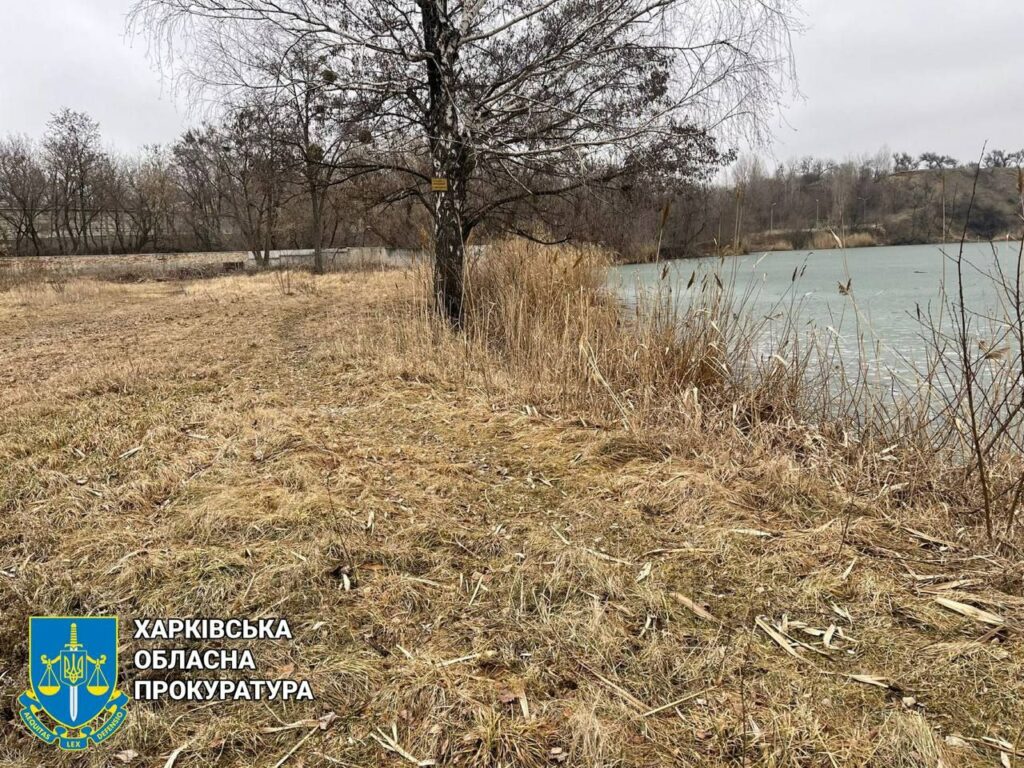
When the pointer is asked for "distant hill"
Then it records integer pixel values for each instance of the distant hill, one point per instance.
(859, 205)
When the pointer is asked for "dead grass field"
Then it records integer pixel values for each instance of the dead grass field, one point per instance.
(469, 571)
(140, 265)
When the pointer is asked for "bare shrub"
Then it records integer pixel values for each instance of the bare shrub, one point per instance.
(283, 282)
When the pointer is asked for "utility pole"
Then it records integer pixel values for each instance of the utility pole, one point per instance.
(771, 226)
(817, 213)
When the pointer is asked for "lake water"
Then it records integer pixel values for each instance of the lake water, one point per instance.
(887, 287)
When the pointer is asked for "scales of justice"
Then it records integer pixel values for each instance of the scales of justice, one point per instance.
(72, 663)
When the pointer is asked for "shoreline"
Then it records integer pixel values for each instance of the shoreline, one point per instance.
(826, 245)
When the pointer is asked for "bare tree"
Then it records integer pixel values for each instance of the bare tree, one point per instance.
(496, 102)
(904, 162)
(934, 161)
(136, 195)
(74, 161)
(245, 155)
(199, 188)
(23, 191)
(313, 125)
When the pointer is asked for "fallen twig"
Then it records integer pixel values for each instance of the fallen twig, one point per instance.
(670, 705)
(694, 608)
(389, 742)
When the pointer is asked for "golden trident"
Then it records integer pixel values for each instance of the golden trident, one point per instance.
(73, 660)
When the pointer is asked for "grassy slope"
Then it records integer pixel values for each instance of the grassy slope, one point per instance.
(918, 195)
(497, 612)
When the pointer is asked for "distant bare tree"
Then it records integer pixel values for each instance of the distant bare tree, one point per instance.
(999, 158)
(904, 162)
(23, 191)
(246, 157)
(154, 195)
(314, 126)
(198, 184)
(501, 102)
(936, 162)
(74, 163)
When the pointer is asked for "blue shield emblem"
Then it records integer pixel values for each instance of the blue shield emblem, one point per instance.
(72, 681)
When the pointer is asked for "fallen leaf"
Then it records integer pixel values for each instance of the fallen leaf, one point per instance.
(779, 639)
(829, 634)
(929, 539)
(841, 612)
(174, 756)
(644, 573)
(849, 570)
(753, 532)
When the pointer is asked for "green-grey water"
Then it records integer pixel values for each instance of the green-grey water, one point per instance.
(889, 287)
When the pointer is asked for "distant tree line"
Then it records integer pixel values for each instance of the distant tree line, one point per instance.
(261, 179)
(247, 182)
(279, 174)
(890, 198)
(933, 161)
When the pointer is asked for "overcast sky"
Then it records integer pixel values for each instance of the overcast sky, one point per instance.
(916, 75)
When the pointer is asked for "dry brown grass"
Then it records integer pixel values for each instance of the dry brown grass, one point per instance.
(828, 240)
(27, 272)
(823, 240)
(531, 505)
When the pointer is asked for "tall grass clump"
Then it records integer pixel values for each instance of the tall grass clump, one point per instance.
(547, 318)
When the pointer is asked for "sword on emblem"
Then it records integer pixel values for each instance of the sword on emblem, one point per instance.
(73, 670)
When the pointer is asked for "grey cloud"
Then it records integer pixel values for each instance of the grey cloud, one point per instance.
(915, 75)
(56, 53)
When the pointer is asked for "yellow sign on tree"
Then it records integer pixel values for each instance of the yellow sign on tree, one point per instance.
(439, 185)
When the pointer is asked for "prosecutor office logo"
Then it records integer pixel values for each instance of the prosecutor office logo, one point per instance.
(72, 700)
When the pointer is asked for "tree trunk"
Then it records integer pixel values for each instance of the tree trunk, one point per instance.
(450, 157)
(33, 233)
(316, 200)
(266, 247)
(449, 259)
